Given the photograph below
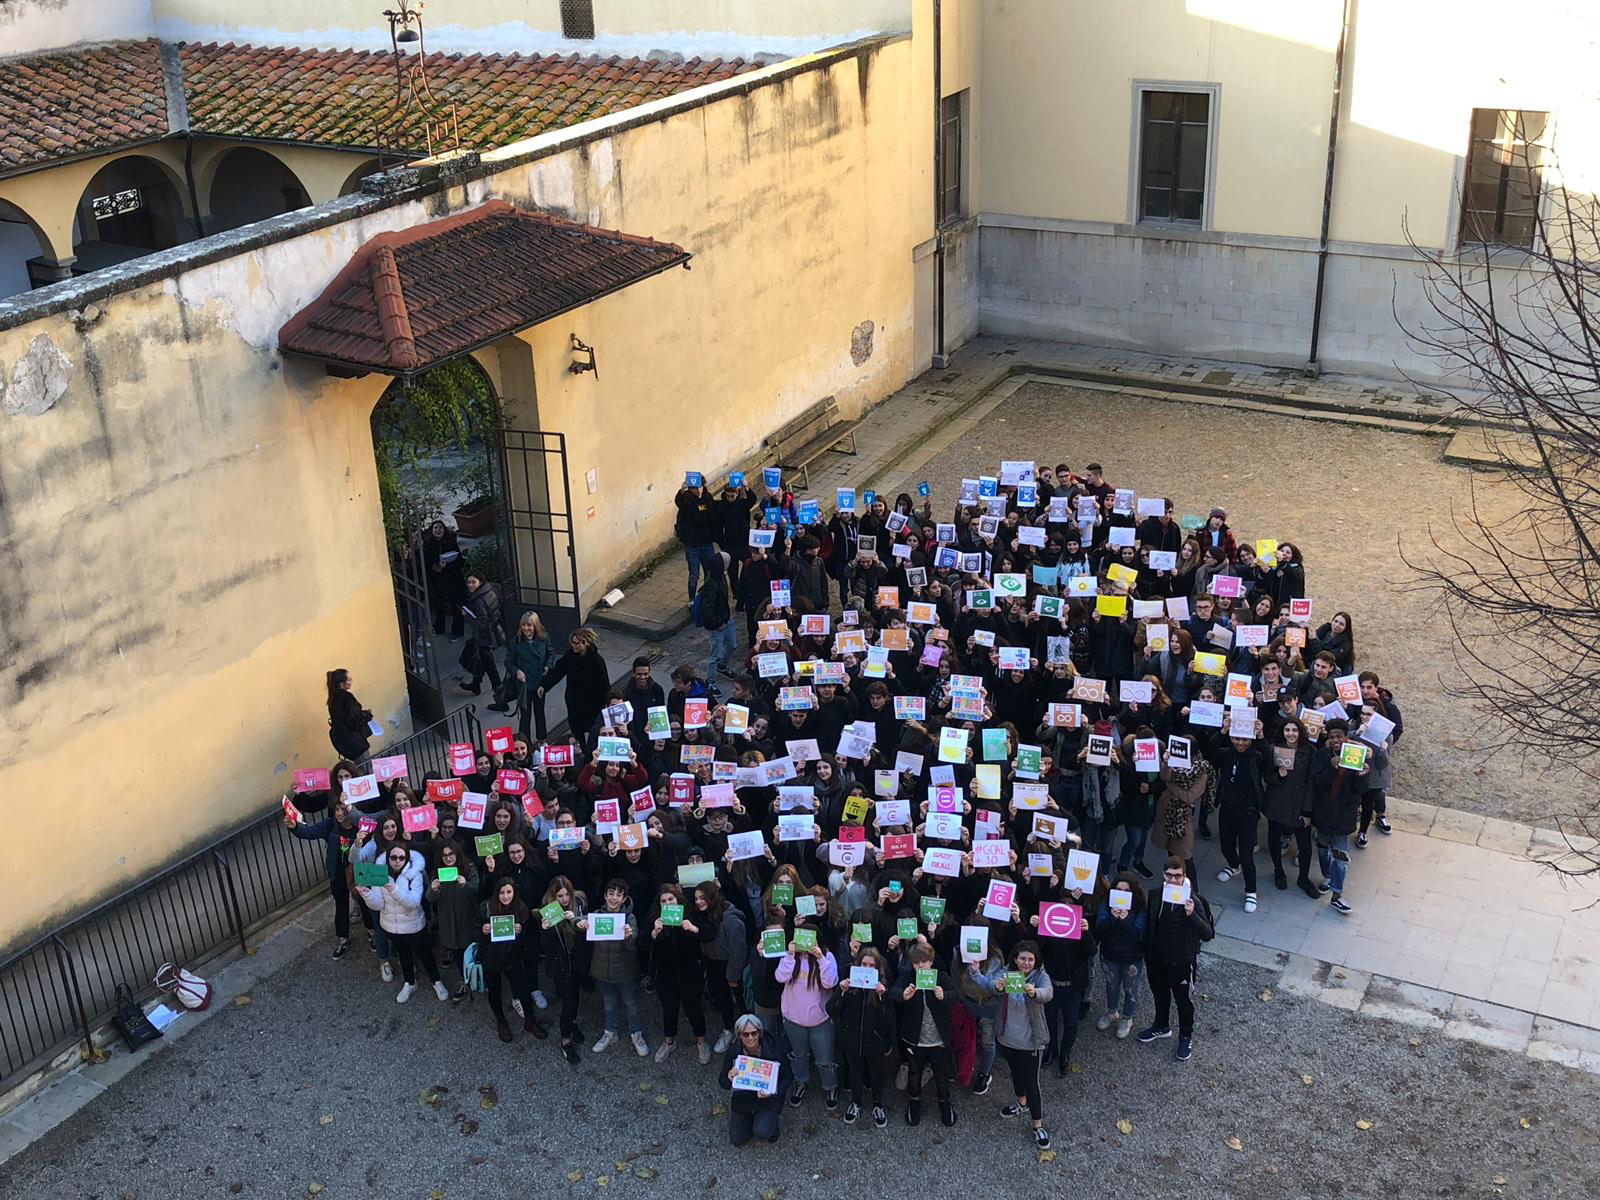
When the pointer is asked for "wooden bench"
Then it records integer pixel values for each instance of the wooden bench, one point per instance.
(797, 444)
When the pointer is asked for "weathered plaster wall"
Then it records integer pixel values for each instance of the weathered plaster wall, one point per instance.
(28, 26)
(190, 532)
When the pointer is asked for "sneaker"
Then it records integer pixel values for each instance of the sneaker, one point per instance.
(1361, 841)
(570, 1053)
(405, 993)
(902, 1077)
(1185, 1048)
(440, 990)
(980, 1085)
(1225, 874)
(649, 984)
(1249, 902)
(386, 971)
(830, 1098)
(724, 1040)
(1143, 871)
(1104, 1023)
(665, 1049)
(1338, 905)
(851, 1112)
(797, 1096)
(702, 1052)
(879, 1117)
(1011, 1110)
(1041, 1137)
(1124, 1028)
(1324, 888)
(607, 1039)
(1154, 1033)
(640, 1046)
(340, 946)
(1383, 825)
(516, 1007)
(539, 1001)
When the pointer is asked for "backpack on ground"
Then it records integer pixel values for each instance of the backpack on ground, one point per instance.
(188, 988)
(472, 970)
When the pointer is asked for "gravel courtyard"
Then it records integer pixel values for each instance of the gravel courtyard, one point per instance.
(322, 1080)
(1350, 497)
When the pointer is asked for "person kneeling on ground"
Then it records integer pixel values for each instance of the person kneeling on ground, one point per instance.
(750, 1114)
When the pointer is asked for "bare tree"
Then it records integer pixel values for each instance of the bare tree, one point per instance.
(1520, 579)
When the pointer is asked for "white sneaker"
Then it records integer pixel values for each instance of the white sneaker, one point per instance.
(665, 1049)
(386, 971)
(724, 1040)
(405, 993)
(440, 990)
(1249, 902)
(539, 1001)
(1225, 874)
(1124, 1027)
(704, 1052)
(640, 1046)
(516, 1006)
(605, 1042)
(1104, 1023)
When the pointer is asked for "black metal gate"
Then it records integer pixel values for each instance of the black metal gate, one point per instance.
(424, 681)
(528, 471)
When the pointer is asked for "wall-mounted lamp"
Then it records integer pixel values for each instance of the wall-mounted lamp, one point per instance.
(580, 365)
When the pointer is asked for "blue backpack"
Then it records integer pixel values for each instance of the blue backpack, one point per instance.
(472, 970)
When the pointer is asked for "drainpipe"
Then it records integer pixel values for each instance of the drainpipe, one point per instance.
(1312, 366)
(178, 124)
(940, 359)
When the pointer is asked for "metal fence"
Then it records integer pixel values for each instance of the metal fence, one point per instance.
(61, 988)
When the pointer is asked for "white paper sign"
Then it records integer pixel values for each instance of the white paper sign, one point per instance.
(939, 861)
(747, 845)
(1082, 867)
(991, 853)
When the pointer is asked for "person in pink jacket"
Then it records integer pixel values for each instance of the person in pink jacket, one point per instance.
(809, 977)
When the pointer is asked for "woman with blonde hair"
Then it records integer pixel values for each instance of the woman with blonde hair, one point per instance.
(527, 660)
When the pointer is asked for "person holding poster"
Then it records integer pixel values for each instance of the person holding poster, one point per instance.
(926, 1028)
(1173, 935)
(1242, 765)
(1288, 807)
(1023, 1031)
(398, 904)
(809, 973)
(1286, 580)
(1335, 809)
(723, 942)
(863, 1016)
(614, 967)
(1338, 638)
(752, 1113)
(565, 956)
(339, 833)
(680, 971)
(503, 961)
(1119, 927)
(1377, 704)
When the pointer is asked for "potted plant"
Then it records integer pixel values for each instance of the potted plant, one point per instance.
(476, 516)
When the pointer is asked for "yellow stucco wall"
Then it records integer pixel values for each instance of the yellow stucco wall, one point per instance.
(191, 534)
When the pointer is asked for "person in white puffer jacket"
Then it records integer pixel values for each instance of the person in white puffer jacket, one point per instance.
(398, 904)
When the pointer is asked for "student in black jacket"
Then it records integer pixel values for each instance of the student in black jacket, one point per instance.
(732, 527)
(347, 720)
(864, 1029)
(927, 1033)
(1172, 940)
(588, 684)
(1242, 764)
(696, 527)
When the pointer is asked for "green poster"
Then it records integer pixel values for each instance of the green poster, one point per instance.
(489, 843)
(552, 913)
(861, 931)
(374, 874)
(805, 939)
(927, 979)
(1015, 983)
(1028, 760)
(692, 873)
(656, 722)
(906, 929)
(932, 910)
(995, 745)
(502, 929)
(449, 874)
(672, 914)
(773, 943)
(783, 895)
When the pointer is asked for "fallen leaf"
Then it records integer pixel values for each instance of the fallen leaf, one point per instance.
(1523, 1121)
(1339, 975)
(645, 1172)
(1266, 993)
(490, 1097)
(1205, 995)
(1307, 1080)
(1076, 1068)
(602, 1181)
(1124, 1126)
(644, 1087)
(433, 1022)
(1498, 1181)
(621, 1166)
(430, 1095)
(1234, 1143)
(241, 1001)
(663, 1100)
(1363, 1124)
(314, 1189)
(1046, 1156)
(574, 1176)
(325, 1119)
(467, 1125)
(436, 1194)
(1416, 1041)
(718, 1110)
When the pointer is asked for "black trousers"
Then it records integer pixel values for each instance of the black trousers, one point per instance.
(486, 666)
(1276, 834)
(868, 1072)
(1236, 830)
(1061, 1015)
(1170, 982)
(675, 998)
(1024, 1066)
(720, 992)
(520, 991)
(936, 1058)
(567, 993)
(530, 707)
(339, 889)
(414, 948)
(1374, 802)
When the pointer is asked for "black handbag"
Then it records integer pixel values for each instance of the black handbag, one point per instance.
(131, 1021)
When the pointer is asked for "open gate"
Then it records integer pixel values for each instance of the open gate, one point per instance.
(421, 648)
(528, 474)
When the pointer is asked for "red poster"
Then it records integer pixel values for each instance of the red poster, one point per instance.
(290, 811)
(852, 833)
(607, 812)
(418, 818)
(900, 845)
(498, 741)
(447, 790)
(680, 791)
(315, 780)
(558, 756)
(511, 783)
(393, 767)
(462, 758)
(644, 802)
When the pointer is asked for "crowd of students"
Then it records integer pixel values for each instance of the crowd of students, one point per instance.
(896, 834)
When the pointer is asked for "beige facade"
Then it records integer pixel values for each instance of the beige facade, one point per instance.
(193, 530)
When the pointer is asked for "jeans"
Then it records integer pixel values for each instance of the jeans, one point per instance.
(988, 1048)
(808, 1042)
(742, 1126)
(724, 649)
(1133, 848)
(695, 556)
(1169, 982)
(1236, 829)
(1122, 986)
(1333, 855)
(626, 994)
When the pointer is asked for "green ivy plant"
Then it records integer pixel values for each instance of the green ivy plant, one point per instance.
(454, 404)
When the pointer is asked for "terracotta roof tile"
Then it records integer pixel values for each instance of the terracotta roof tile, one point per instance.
(78, 101)
(417, 297)
(339, 97)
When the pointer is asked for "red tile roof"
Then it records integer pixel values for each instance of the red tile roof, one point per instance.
(412, 299)
(96, 99)
(337, 97)
(74, 102)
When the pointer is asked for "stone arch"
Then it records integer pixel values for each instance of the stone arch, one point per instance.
(141, 209)
(353, 182)
(21, 239)
(250, 183)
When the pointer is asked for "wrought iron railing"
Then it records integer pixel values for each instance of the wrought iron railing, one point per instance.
(62, 987)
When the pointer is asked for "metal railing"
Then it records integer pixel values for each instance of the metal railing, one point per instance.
(62, 987)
